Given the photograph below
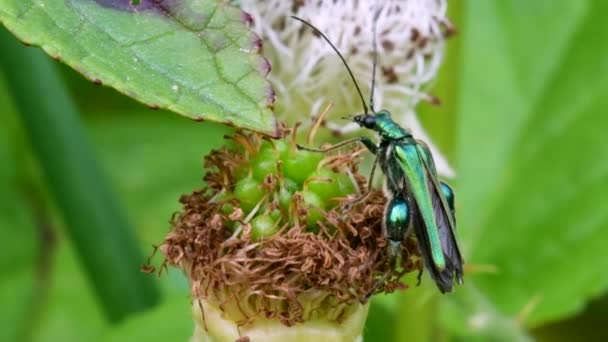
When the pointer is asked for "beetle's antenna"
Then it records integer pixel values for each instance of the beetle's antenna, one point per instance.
(375, 54)
(365, 110)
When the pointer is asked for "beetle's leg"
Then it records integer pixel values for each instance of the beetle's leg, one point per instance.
(364, 140)
(376, 286)
(420, 271)
(397, 222)
(368, 191)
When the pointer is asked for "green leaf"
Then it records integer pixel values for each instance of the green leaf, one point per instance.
(164, 147)
(197, 58)
(93, 217)
(18, 259)
(531, 152)
(170, 321)
(70, 310)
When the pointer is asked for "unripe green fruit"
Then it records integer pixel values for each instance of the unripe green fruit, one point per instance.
(297, 168)
(248, 192)
(290, 185)
(264, 163)
(345, 185)
(312, 201)
(226, 208)
(324, 183)
(286, 193)
(300, 164)
(276, 215)
(282, 147)
(263, 226)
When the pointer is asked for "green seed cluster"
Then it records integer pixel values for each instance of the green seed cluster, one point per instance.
(268, 180)
(268, 234)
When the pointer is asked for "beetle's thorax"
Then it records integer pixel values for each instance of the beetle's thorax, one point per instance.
(382, 123)
(389, 129)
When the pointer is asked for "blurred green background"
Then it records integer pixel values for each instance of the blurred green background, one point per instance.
(523, 121)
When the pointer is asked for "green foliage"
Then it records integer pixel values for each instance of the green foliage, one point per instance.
(150, 176)
(93, 217)
(67, 307)
(170, 321)
(530, 152)
(196, 58)
(18, 259)
(523, 91)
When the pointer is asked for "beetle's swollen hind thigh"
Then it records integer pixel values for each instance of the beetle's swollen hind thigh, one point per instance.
(397, 218)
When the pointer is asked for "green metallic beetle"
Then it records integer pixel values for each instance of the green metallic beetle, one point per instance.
(417, 200)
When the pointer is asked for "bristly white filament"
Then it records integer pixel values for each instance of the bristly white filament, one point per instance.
(307, 74)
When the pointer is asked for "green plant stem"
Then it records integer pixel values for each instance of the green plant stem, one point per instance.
(93, 218)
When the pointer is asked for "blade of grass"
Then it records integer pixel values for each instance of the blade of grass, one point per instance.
(93, 218)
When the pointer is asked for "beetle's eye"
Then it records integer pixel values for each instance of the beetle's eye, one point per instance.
(369, 122)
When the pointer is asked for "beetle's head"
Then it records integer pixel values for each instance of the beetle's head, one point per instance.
(365, 120)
